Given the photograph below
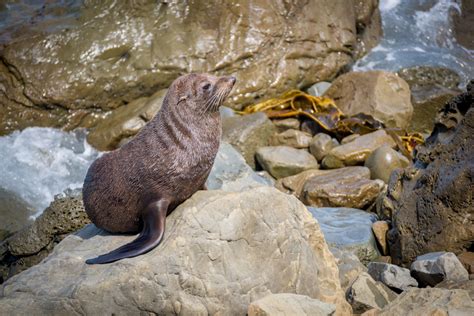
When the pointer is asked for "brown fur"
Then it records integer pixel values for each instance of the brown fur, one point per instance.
(169, 159)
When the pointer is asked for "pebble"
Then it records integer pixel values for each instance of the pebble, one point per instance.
(321, 144)
(292, 138)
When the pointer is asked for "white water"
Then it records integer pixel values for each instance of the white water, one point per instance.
(38, 163)
(416, 33)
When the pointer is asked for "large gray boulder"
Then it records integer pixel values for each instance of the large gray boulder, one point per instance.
(432, 268)
(270, 46)
(393, 276)
(221, 251)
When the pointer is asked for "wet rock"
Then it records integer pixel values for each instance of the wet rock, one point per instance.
(365, 293)
(430, 302)
(395, 277)
(368, 26)
(285, 124)
(286, 304)
(321, 144)
(380, 229)
(125, 122)
(357, 150)
(318, 89)
(292, 138)
(222, 251)
(284, 161)
(458, 285)
(348, 229)
(268, 52)
(381, 94)
(331, 162)
(247, 133)
(383, 161)
(431, 88)
(14, 213)
(347, 187)
(29, 246)
(433, 206)
(231, 173)
(463, 22)
(294, 184)
(432, 268)
(349, 266)
(467, 259)
(349, 138)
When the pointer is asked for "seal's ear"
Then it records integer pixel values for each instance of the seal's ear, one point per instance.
(182, 98)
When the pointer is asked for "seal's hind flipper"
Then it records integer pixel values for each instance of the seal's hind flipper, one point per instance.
(154, 217)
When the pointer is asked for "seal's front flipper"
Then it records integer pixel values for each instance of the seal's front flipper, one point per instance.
(153, 217)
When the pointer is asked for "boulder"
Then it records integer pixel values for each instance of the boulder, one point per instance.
(349, 266)
(346, 187)
(231, 173)
(284, 161)
(432, 205)
(381, 94)
(143, 47)
(395, 277)
(383, 161)
(292, 138)
(357, 150)
(432, 268)
(431, 302)
(286, 304)
(348, 230)
(321, 144)
(29, 246)
(467, 285)
(15, 213)
(221, 251)
(365, 293)
(247, 133)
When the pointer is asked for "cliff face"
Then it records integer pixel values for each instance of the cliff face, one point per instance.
(115, 52)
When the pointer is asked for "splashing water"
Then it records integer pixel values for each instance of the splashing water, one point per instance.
(38, 163)
(419, 33)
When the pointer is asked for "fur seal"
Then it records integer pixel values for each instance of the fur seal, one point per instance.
(134, 187)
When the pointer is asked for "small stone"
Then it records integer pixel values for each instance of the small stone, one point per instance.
(349, 230)
(365, 293)
(292, 138)
(349, 266)
(383, 259)
(284, 161)
(391, 275)
(289, 123)
(380, 229)
(247, 133)
(345, 187)
(467, 259)
(432, 268)
(321, 144)
(359, 149)
(318, 89)
(267, 177)
(294, 184)
(288, 304)
(349, 138)
(331, 162)
(383, 161)
(226, 112)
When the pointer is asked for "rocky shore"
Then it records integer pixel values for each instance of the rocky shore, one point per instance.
(297, 219)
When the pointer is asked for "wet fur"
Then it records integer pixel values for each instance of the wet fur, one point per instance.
(168, 160)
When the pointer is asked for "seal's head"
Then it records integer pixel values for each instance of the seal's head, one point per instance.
(202, 93)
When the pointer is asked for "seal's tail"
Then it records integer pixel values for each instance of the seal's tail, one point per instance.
(154, 218)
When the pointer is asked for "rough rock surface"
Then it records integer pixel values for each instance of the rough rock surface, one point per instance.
(467, 285)
(286, 304)
(433, 206)
(467, 259)
(381, 94)
(29, 246)
(365, 293)
(295, 184)
(393, 276)
(247, 133)
(231, 173)
(284, 161)
(347, 187)
(285, 124)
(292, 138)
(432, 268)
(349, 266)
(270, 46)
(348, 229)
(463, 22)
(380, 229)
(14, 213)
(432, 302)
(357, 150)
(221, 251)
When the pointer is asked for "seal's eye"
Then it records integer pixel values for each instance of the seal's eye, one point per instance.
(206, 87)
